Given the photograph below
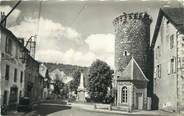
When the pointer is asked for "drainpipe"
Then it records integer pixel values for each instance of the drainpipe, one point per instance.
(177, 77)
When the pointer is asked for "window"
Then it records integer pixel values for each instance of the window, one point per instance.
(40, 80)
(15, 75)
(125, 53)
(159, 71)
(124, 95)
(17, 52)
(171, 41)
(182, 63)
(8, 45)
(21, 76)
(20, 94)
(172, 66)
(7, 72)
(158, 52)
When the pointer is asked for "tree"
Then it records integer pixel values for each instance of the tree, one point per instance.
(76, 81)
(58, 85)
(100, 78)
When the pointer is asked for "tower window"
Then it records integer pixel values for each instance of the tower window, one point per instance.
(125, 53)
(124, 95)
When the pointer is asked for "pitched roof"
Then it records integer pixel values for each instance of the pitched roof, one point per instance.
(13, 37)
(174, 15)
(132, 72)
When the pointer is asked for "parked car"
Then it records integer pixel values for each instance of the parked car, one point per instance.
(25, 105)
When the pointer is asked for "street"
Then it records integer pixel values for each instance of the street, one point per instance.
(58, 110)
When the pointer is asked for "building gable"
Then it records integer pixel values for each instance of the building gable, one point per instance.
(174, 15)
(133, 72)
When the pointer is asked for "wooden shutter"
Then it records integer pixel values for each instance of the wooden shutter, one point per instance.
(169, 67)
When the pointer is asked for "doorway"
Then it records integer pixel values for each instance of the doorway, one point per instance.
(5, 97)
(139, 100)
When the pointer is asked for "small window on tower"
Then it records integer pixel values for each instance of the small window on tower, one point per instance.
(125, 53)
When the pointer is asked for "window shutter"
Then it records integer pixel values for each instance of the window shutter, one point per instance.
(168, 67)
(159, 70)
(174, 66)
(155, 72)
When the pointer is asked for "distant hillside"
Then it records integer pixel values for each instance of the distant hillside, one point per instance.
(67, 68)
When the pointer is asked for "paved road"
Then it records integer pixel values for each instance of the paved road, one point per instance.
(54, 110)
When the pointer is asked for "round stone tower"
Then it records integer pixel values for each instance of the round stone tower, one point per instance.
(132, 39)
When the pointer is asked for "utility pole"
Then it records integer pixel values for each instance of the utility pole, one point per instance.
(4, 19)
(177, 88)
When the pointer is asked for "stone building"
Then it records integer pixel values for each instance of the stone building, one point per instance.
(132, 52)
(168, 45)
(33, 80)
(12, 66)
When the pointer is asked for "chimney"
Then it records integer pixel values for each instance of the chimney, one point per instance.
(2, 18)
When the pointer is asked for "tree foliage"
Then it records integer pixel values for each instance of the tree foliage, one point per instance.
(58, 86)
(100, 78)
(76, 81)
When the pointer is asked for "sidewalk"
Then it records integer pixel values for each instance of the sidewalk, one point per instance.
(90, 107)
(14, 113)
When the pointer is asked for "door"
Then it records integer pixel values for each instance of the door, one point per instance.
(139, 101)
(5, 97)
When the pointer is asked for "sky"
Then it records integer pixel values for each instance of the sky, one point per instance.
(75, 32)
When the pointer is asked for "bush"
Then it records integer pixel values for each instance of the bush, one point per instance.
(109, 99)
(72, 99)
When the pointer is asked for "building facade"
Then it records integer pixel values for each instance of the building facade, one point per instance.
(132, 46)
(33, 80)
(168, 45)
(12, 67)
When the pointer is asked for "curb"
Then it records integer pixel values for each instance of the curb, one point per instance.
(123, 112)
(91, 109)
(128, 113)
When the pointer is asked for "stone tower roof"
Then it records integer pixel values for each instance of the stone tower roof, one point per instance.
(132, 72)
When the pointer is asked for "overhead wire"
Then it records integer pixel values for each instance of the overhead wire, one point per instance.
(38, 20)
(78, 14)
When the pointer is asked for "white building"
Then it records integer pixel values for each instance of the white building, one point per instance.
(168, 46)
(12, 66)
